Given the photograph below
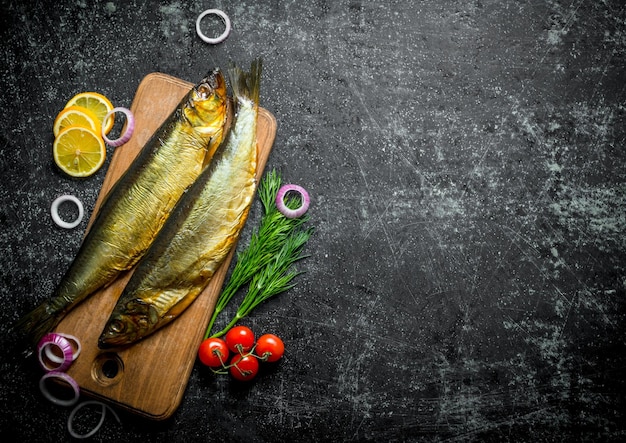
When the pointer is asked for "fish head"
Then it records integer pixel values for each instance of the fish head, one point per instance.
(127, 324)
(207, 102)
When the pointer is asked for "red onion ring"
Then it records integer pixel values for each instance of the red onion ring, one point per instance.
(130, 127)
(69, 380)
(60, 342)
(70, 420)
(74, 342)
(280, 201)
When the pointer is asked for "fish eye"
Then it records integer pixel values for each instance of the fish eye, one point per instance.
(117, 326)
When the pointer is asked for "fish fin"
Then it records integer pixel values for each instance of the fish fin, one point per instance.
(37, 323)
(246, 85)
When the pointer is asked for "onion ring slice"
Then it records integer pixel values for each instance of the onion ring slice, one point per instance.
(282, 207)
(70, 420)
(54, 211)
(69, 380)
(128, 132)
(224, 18)
(74, 342)
(60, 342)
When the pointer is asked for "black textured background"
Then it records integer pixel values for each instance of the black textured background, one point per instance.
(465, 160)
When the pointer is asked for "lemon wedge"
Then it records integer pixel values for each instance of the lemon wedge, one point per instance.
(78, 151)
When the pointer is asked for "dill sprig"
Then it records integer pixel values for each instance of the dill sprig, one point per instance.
(266, 263)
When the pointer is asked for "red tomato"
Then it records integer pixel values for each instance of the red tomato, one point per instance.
(213, 352)
(269, 348)
(244, 367)
(240, 339)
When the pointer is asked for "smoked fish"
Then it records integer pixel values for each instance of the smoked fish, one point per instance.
(136, 207)
(199, 234)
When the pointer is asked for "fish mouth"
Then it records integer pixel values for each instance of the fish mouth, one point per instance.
(214, 81)
(213, 84)
(110, 339)
(105, 344)
(107, 341)
(212, 78)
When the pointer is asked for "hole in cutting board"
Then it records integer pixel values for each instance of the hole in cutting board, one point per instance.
(107, 368)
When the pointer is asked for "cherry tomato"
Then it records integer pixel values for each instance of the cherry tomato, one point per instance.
(240, 339)
(269, 348)
(213, 352)
(244, 367)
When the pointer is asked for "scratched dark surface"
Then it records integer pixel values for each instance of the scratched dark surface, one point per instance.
(466, 162)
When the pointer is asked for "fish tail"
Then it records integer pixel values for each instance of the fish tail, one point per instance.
(246, 85)
(38, 322)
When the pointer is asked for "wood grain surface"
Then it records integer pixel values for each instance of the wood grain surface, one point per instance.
(148, 378)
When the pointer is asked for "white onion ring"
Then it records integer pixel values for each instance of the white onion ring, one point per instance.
(282, 207)
(75, 349)
(70, 419)
(70, 381)
(54, 211)
(215, 40)
(60, 342)
(128, 133)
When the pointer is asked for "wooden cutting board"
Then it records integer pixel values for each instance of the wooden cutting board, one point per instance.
(150, 377)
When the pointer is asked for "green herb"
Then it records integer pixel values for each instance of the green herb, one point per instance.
(267, 261)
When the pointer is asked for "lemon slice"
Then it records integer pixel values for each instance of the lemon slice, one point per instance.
(96, 103)
(78, 151)
(76, 116)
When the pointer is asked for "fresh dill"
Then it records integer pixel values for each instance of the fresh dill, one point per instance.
(266, 263)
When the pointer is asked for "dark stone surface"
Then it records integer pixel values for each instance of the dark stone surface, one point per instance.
(466, 165)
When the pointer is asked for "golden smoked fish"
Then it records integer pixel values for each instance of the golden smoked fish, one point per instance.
(137, 206)
(198, 235)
